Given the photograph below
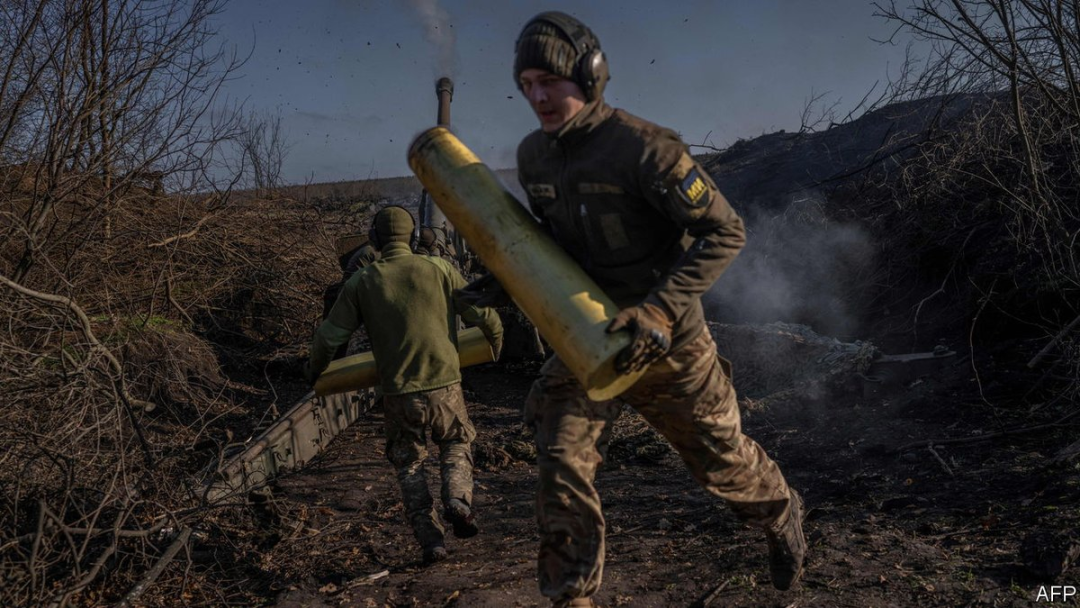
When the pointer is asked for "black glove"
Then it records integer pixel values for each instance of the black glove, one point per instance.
(651, 339)
(310, 377)
(485, 292)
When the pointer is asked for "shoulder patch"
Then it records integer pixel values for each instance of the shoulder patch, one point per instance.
(541, 190)
(694, 189)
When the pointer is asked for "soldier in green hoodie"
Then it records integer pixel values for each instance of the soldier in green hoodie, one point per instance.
(406, 302)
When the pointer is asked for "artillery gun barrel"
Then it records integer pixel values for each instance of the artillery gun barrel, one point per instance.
(444, 90)
(430, 214)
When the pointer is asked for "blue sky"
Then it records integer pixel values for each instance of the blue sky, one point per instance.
(354, 80)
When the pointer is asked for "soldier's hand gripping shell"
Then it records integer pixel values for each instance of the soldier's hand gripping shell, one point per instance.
(651, 336)
(484, 292)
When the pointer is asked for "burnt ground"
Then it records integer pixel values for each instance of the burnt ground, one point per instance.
(980, 519)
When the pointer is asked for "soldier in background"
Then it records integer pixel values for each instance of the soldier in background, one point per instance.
(352, 261)
(626, 200)
(365, 256)
(405, 301)
(427, 243)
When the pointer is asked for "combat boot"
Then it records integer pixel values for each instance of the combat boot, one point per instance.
(461, 518)
(434, 554)
(787, 547)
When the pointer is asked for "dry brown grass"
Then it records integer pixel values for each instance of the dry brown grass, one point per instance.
(181, 306)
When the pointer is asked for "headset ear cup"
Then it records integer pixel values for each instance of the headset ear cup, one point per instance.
(600, 72)
(594, 73)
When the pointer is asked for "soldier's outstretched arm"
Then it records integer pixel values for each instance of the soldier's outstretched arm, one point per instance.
(335, 330)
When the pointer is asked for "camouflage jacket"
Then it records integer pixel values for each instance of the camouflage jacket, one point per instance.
(406, 302)
(626, 200)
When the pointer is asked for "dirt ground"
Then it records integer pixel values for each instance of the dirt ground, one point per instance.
(978, 519)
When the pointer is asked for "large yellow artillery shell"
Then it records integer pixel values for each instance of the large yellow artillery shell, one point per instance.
(567, 306)
(358, 371)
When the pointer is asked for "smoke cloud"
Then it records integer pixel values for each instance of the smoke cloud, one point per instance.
(439, 32)
(797, 267)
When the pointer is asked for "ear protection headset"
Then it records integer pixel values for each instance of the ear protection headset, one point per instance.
(373, 232)
(591, 69)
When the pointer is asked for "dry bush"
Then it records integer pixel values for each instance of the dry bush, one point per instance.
(133, 324)
(170, 366)
(76, 488)
(986, 205)
(183, 287)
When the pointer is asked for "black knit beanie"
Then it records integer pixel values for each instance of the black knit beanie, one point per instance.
(542, 46)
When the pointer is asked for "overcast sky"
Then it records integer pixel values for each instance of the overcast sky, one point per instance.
(354, 79)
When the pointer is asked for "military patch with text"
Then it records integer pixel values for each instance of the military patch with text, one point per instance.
(694, 189)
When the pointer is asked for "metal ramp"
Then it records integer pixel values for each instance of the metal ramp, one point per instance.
(290, 443)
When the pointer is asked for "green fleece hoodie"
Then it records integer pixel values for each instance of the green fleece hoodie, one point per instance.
(406, 302)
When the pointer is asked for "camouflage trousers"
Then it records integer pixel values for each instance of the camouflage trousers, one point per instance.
(408, 417)
(687, 397)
